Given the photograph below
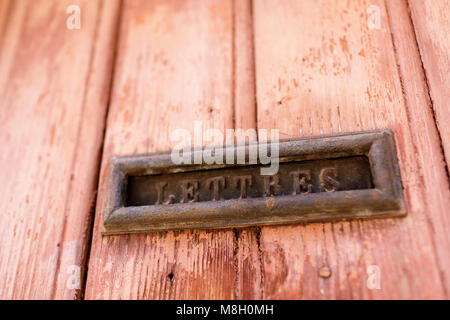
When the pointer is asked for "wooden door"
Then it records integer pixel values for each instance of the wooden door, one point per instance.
(135, 71)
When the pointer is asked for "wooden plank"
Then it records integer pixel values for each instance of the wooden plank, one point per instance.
(244, 68)
(248, 281)
(5, 6)
(321, 69)
(175, 65)
(433, 177)
(431, 20)
(80, 203)
(43, 72)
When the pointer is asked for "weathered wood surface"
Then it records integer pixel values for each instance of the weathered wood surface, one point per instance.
(321, 69)
(4, 11)
(431, 20)
(53, 103)
(182, 70)
(80, 205)
(434, 180)
(302, 67)
(248, 276)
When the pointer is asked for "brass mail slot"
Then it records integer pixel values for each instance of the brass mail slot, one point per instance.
(321, 178)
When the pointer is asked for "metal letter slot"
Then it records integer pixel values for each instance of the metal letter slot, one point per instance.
(323, 178)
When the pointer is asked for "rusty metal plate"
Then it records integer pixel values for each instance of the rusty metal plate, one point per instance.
(319, 178)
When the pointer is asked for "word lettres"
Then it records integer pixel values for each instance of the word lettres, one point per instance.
(301, 182)
(225, 184)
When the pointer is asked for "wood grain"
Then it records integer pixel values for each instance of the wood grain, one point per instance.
(248, 273)
(302, 67)
(427, 143)
(181, 71)
(321, 69)
(431, 20)
(44, 93)
(243, 64)
(5, 6)
(80, 203)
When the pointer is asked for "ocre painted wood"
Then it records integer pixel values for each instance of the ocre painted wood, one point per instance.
(247, 262)
(181, 71)
(80, 204)
(431, 20)
(433, 178)
(321, 69)
(5, 5)
(49, 92)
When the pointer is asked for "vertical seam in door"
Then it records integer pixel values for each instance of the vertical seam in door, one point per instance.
(433, 111)
(101, 149)
(236, 263)
(402, 84)
(261, 261)
(74, 154)
(233, 63)
(252, 29)
(258, 229)
(441, 146)
(408, 114)
(4, 24)
(233, 115)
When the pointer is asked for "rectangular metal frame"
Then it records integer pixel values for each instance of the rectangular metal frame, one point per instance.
(384, 200)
